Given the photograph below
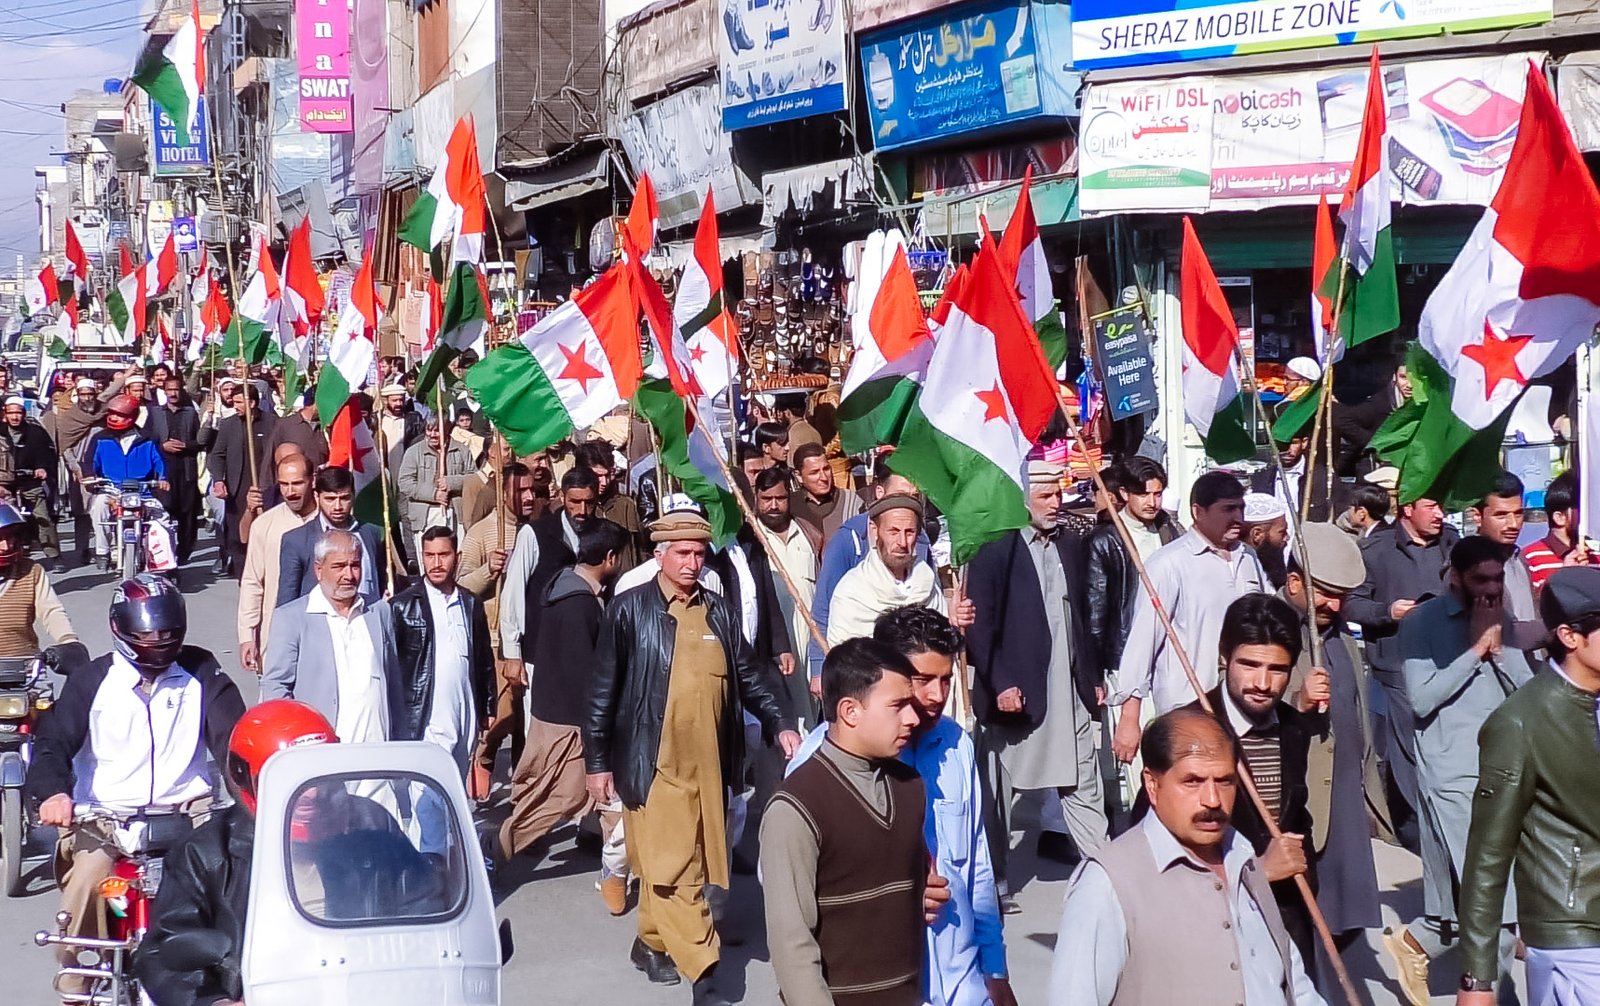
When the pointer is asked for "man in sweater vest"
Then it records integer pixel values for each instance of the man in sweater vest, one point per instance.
(843, 860)
(1177, 910)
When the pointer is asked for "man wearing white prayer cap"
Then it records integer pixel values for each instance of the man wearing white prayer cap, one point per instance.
(1300, 374)
(1266, 531)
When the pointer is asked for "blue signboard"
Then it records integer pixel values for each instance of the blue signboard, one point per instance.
(173, 157)
(969, 68)
(780, 60)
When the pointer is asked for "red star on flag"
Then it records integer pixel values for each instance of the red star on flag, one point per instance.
(697, 354)
(578, 367)
(1497, 355)
(994, 403)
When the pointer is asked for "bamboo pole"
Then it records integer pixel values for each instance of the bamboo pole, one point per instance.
(1173, 641)
(1325, 406)
(383, 482)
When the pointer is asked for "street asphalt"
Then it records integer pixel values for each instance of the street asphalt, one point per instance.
(568, 949)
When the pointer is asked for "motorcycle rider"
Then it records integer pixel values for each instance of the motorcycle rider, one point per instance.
(131, 730)
(206, 878)
(121, 453)
(27, 599)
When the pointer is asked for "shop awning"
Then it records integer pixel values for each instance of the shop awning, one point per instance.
(729, 246)
(578, 176)
(1055, 201)
(815, 188)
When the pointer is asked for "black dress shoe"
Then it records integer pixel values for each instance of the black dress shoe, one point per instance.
(705, 993)
(1053, 845)
(1008, 905)
(219, 567)
(657, 966)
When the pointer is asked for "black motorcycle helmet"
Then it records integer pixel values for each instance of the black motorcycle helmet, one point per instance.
(148, 622)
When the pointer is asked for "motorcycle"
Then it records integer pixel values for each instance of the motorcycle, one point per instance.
(142, 839)
(140, 530)
(25, 693)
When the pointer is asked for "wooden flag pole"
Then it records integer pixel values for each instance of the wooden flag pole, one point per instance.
(1317, 920)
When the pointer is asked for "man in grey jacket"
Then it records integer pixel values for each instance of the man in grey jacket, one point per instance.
(1459, 664)
(333, 651)
(424, 489)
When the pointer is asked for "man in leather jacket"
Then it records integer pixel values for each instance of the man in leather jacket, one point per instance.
(672, 659)
(1536, 803)
(1111, 579)
(441, 636)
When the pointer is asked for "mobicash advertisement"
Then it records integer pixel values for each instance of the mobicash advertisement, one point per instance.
(1245, 142)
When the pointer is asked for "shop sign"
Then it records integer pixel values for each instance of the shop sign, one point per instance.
(185, 238)
(780, 61)
(157, 224)
(968, 69)
(1146, 146)
(680, 144)
(322, 46)
(1108, 33)
(660, 49)
(173, 157)
(1126, 362)
(1288, 138)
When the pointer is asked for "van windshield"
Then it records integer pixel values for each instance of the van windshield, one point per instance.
(375, 849)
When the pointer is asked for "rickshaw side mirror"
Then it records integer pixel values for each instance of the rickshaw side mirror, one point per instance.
(197, 949)
(507, 948)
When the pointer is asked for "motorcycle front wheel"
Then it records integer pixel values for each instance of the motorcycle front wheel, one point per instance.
(132, 552)
(12, 832)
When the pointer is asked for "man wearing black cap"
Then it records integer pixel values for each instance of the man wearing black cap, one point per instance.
(1536, 803)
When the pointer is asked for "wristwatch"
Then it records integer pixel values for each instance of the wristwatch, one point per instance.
(1471, 984)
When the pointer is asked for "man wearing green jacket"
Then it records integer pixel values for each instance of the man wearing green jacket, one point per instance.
(1537, 804)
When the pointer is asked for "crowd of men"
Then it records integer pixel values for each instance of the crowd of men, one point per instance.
(883, 718)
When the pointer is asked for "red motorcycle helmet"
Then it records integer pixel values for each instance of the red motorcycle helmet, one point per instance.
(121, 413)
(262, 732)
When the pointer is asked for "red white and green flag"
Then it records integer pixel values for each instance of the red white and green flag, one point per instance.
(987, 398)
(350, 445)
(40, 291)
(700, 312)
(253, 329)
(75, 284)
(453, 207)
(1212, 399)
(175, 75)
(571, 369)
(1022, 250)
(353, 347)
(639, 229)
(1524, 293)
(892, 347)
(1324, 257)
(463, 324)
(1371, 294)
(303, 303)
(129, 303)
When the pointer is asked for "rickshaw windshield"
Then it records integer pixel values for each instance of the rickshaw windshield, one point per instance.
(374, 849)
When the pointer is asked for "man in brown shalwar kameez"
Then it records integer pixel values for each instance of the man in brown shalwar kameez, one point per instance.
(664, 730)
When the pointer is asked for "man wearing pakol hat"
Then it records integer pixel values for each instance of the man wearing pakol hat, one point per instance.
(1347, 800)
(1536, 803)
(663, 734)
(1035, 672)
(890, 577)
(1266, 532)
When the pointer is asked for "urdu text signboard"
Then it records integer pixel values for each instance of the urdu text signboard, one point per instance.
(969, 68)
(780, 60)
(1107, 33)
(1247, 142)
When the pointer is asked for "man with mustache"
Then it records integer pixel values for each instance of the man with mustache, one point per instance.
(1459, 665)
(1196, 578)
(1178, 909)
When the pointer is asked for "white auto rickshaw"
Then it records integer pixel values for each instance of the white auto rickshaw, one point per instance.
(367, 884)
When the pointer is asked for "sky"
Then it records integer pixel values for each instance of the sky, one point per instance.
(48, 50)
